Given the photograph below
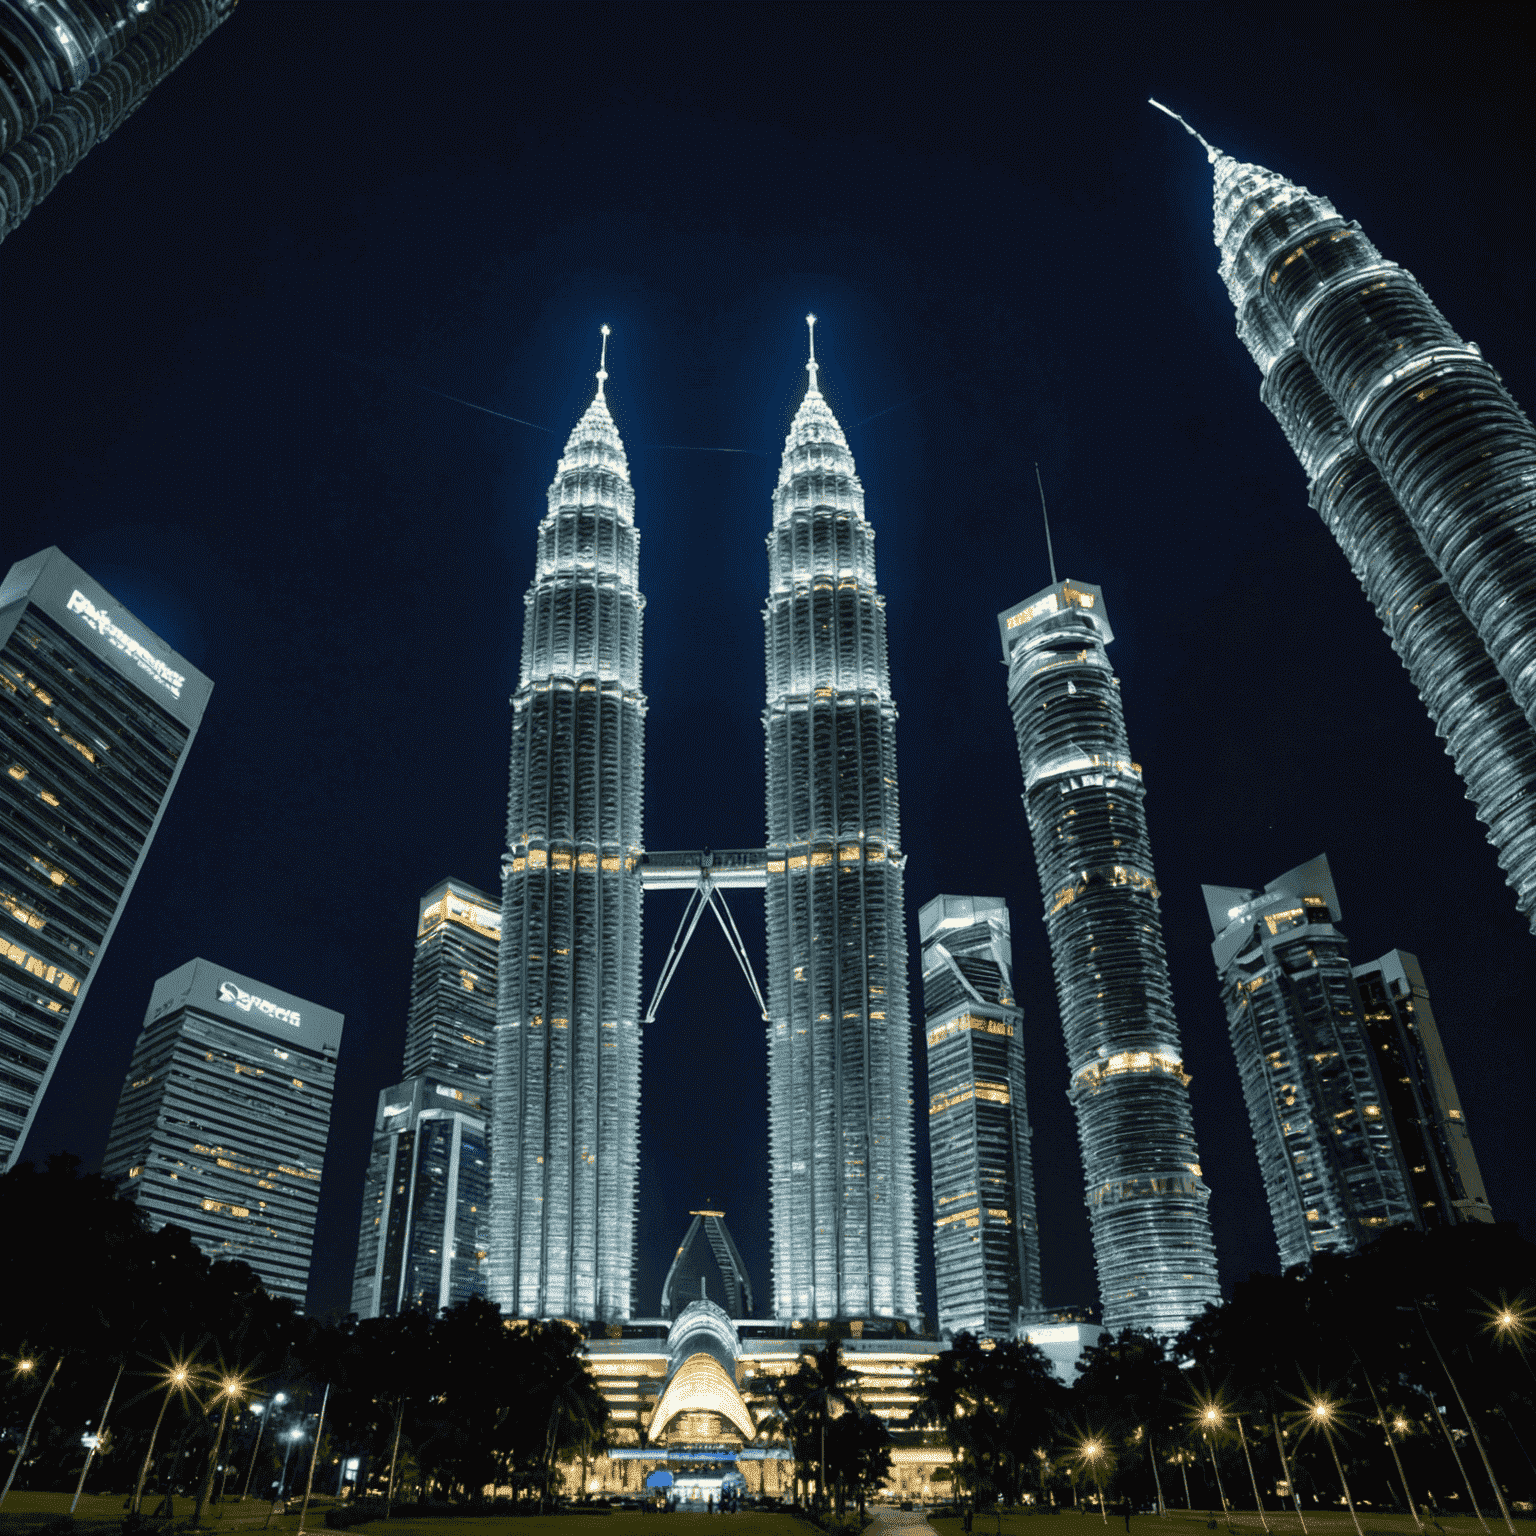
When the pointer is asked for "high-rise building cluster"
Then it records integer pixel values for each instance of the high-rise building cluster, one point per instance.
(504, 1161)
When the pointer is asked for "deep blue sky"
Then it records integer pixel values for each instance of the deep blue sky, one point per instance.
(216, 342)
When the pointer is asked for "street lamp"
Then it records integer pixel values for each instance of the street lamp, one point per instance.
(292, 1437)
(1091, 1450)
(260, 1410)
(177, 1378)
(1211, 1418)
(1323, 1415)
(1263, 1518)
(25, 1368)
(231, 1388)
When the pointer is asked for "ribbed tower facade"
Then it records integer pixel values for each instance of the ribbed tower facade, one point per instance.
(986, 1245)
(566, 1089)
(1419, 462)
(843, 1218)
(1322, 1123)
(1147, 1196)
(71, 71)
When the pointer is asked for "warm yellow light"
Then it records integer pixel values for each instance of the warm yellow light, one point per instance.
(1400, 1425)
(1212, 1415)
(179, 1378)
(1320, 1411)
(1091, 1448)
(25, 1365)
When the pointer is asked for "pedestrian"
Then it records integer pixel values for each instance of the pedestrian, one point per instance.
(1125, 1509)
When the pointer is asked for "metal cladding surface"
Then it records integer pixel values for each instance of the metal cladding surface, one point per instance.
(1431, 1128)
(986, 1243)
(566, 1091)
(1259, 217)
(843, 1217)
(71, 71)
(1146, 1196)
(1328, 1150)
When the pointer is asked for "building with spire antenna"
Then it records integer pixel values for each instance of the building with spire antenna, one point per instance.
(566, 1086)
(843, 1216)
(1146, 1192)
(1419, 463)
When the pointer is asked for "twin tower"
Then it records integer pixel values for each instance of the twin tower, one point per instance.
(566, 1091)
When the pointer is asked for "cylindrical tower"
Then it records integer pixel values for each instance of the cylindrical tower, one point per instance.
(71, 71)
(1260, 218)
(565, 1128)
(1146, 1194)
(839, 1048)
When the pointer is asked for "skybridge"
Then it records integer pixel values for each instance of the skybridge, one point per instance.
(706, 874)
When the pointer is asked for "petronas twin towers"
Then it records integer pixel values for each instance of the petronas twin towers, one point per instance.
(567, 1082)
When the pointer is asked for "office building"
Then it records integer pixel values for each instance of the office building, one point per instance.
(425, 1200)
(1333, 1171)
(1388, 410)
(453, 985)
(1421, 1094)
(223, 1120)
(1084, 795)
(566, 1091)
(986, 1245)
(843, 1219)
(71, 71)
(97, 715)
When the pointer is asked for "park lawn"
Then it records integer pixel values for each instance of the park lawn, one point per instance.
(618, 1522)
(1178, 1522)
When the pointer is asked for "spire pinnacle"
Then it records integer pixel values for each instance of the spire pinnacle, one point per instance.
(1212, 154)
(602, 366)
(813, 367)
(1050, 553)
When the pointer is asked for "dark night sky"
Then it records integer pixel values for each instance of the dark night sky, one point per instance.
(218, 339)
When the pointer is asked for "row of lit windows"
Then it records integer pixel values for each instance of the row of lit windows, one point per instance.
(1130, 1061)
(969, 1021)
(995, 1093)
(33, 966)
(537, 858)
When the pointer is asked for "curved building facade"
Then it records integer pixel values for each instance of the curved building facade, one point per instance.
(1147, 1196)
(843, 1227)
(71, 71)
(566, 1087)
(1421, 465)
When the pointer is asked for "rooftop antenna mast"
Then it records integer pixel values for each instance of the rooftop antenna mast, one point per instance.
(1045, 518)
(602, 365)
(1211, 152)
(812, 366)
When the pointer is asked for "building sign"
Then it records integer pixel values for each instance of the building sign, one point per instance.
(99, 620)
(230, 993)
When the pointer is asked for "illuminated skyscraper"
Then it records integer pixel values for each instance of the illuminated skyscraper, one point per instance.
(71, 71)
(97, 715)
(843, 1217)
(425, 1200)
(986, 1245)
(453, 985)
(1426, 1109)
(223, 1120)
(426, 1194)
(565, 1125)
(1146, 1194)
(1420, 464)
(1328, 1150)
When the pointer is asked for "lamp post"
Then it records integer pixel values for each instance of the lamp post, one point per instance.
(1092, 1450)
(260, 1410)
(25, 1368)
(1263, 1518)
(1285, 1466)
(229, 1389)
(176, 1380)
(1322, 1416)
(1510, 1322)
(1381, 1419)
(1210, 1419)
(95, 1440)
(310, 1481)
(292, 1437)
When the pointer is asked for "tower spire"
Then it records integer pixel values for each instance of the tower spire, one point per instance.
(1045, 518)
(813, 367)
(1212, 154)
(602, 366)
